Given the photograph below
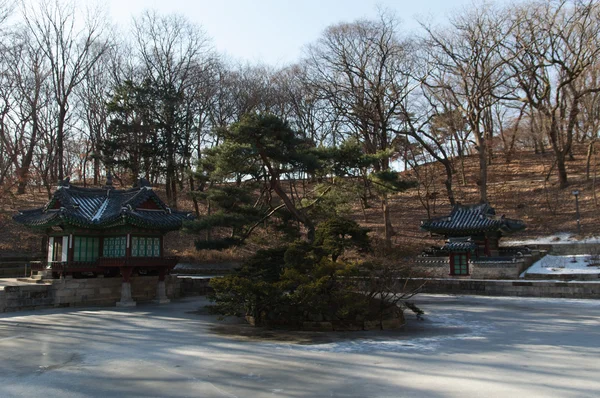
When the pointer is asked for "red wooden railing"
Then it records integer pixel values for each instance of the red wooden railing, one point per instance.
(138, 262)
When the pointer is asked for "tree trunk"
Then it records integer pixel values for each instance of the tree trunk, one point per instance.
(194, 199)
(562, 170)
(448, 182)
(301, 217)
(171, 172)
(389, 230)
(96, 169)
(83, 171)
(59, 140)
(173, 192)
(482, 171)
(23, 172)
(22, 177)
(594, 185)
(588, 161)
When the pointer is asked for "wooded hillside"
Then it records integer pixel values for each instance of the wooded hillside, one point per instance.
(499, 104)
(518, 190)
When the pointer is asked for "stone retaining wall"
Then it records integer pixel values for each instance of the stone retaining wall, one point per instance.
(69, 292)
(194, 286)
(439, 267)
(559, 289)
(106, 291)
(571, 248)
(477, 270)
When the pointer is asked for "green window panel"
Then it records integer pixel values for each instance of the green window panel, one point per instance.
(114, 246)
(86, 249)
(143, 246)
(461, 266)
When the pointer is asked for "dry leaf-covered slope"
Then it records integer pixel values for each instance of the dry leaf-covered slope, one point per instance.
(518, 189)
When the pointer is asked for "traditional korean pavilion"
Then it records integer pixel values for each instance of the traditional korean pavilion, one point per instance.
(472, 231)
(106, 231)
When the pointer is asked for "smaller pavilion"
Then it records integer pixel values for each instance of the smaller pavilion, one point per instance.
(106, 232)
(472, 232)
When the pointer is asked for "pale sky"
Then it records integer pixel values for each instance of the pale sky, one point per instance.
(275, 31)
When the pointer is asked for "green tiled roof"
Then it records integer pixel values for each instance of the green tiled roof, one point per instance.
(103, 208)
(470, 220)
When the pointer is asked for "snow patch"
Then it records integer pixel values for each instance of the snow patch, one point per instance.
(100, 210)
(560, 265)
(560, 238)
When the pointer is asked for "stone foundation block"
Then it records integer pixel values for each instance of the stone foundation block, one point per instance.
(126, 299)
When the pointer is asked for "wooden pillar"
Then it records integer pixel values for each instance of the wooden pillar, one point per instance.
(162, 273)
(101, 246)
(48, 272)
(161, 288)
(71, 251)
(493, 244)
(128, 246)
(126, 273)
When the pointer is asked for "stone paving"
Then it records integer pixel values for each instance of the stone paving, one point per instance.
(465, 347)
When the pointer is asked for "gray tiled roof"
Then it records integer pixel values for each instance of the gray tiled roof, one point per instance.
(103, 208)
(459, 246)
(473, 219)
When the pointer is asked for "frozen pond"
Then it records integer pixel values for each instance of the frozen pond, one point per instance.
(466, 347)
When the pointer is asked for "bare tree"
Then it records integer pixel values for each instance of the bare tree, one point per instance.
(28, 73)
(93, 95)
(424, 167)
(509, 127)
(309, 111)
(170, 50)
(468, 70)
(364, 70)
(588, 126)
(71, 52)
(553, 44)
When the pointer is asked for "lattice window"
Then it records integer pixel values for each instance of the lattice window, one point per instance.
(114, 246)
(461, 265)
(86, 249)
(144, 246)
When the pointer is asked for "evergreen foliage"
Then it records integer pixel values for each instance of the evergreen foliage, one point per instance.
(130, 142)
(389, 182)
(251, 180)
(303, 282)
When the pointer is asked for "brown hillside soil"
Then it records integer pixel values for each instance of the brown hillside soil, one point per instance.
(518, 189)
